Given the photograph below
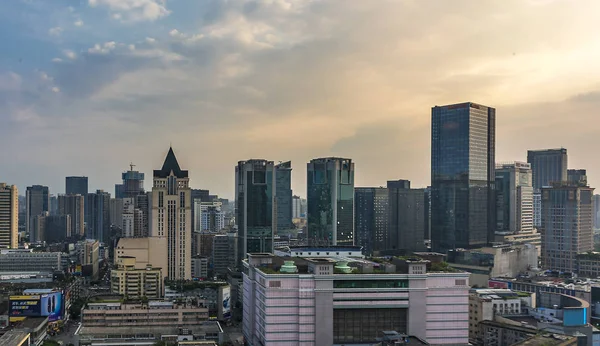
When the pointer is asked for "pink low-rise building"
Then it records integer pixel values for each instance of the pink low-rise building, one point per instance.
(337, 301)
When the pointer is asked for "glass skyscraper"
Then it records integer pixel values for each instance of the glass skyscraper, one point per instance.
(371, 218)
(283, 173)
(255, 191)
(548, 166)
(330, 195)
(463, 204)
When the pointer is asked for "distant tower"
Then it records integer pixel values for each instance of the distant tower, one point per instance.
(171, 216)
(330, 194)
(38, 202)
(514, 193)
(9, 216)
(283, 178)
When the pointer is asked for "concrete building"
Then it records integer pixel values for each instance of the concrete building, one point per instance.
(371, 215)
(146, 251)
(171, 216)
(567, 225)
(38, 203)
(496, 261)
(224, 253)
(577, 176)
(131, 282)
(296, 207)
(534, 238)
(98, 219)
(596, 212)
(74, 206)
(76, 186)
(89, 257)
(408, 213)
(116, 212)
(324, 301)
(255, 212)
(209, 216)
(200, 267)
(9, 216)
(204, 244)
(463, 196)
(283, 198)
(153, 313)
(132, 219)
(486, 303)
(57, 228)
(14, 260)
(514, 193)
(330, 196)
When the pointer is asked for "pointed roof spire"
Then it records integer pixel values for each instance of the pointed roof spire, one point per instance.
(170, 165)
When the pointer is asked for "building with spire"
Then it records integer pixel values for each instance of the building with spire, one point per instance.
(171, 216)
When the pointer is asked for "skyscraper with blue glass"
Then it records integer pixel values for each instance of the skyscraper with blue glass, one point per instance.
(330, 195)
(463, 202)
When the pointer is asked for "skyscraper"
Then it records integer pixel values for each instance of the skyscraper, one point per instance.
(547, 166)
(137, 210)
(596, 212)
(514, 193)
(76, 186)
(567, 225)
(38, 202)
(462, 176)
(330, 195)
(283, 178)
(9, 216)
(371, 218)
(408, 211)
(171, 216)
(577, 176)
(73, 205)
(255, 191)
(98, 224)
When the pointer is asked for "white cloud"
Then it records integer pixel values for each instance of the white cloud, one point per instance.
(78, 22)
(103, 49)
(56, 31)
(150, 40)
(57, 60)
(131, 47)
(70, 54)
(176, 33)
(55, 89)
(134, 10)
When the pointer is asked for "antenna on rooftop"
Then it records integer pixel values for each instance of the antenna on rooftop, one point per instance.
(131, 165)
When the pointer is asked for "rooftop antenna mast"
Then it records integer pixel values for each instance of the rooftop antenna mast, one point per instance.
(131, 165)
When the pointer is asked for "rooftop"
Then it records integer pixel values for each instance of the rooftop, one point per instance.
(208, 327)
(14, 338)
(548, 340)
(170, 165)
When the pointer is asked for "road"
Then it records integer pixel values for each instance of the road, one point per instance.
(68, 335)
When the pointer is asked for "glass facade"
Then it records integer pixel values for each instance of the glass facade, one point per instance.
(547, 166)
(330, 192)
(463, 204)
(255, 198)
(366, 325)
(371, 218)
(283, 172)
(408, 212)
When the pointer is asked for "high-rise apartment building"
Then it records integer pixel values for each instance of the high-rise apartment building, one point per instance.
(209, 216)
(296, 207)
(567, 225)
(224, 253)
(371, 218)
(463, 204)
(38, 202)
(330, 195)
(547, 166)
(256, 217)
(58, 228)
(408, 211)
(53, 205)
(73, 205)
(596, 211)
(283, 180)
(132, 189)
(171, 216)
(514, 193)
(98, 220)
(9, 216)
(76, 186)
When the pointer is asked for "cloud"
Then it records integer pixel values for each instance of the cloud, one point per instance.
(56, 31)
(103, 49)
(134, 10)
(70, 54)
(78, 22)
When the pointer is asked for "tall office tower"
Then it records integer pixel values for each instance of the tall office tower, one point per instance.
(53, 206)
(58, 228)
(567, 225)
(371, 218)
(427, 235)
(596, 212)
(142, 203)
(116, 212)
(283, 200)
(119, 191)
(74, 206)
(330, 195)
(577, 176)
(133, 188)
(463, 203)
(547, 166)
(37, 232)
(38, 202)
(98, 221)
(408, 209)
(514, 193)
(209, 216)
(9, 216)
(198, 195)
(171, 216)
(296, 207)
(76, 186)
(255, 211)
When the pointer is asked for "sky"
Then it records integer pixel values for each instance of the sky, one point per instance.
(88, 86)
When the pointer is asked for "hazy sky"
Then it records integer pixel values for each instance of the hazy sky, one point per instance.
(88, 86)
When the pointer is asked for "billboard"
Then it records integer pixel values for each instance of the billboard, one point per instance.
(226, 302)
(48, 304)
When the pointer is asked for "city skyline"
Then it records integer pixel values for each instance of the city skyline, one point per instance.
(258, 81)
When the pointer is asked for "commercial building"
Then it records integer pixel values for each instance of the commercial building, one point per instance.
(333, 301)
(154, 313)
(567, 225)
(98, 219)
(514, 193)
(255, 212)
(371, 218)
(171, 216)
(297, 210)
(116, 212)
(200, 267)
(224, 253)
(283, 196)
(463, 202)
(577, 176)
(76, 185)
(9, 216)
(596, 212)
(131, 282)
(408, 216)
(209, 216)
(330, 197)
(57, 228)
(16, 260)
(485, 303)
(74, 206)
(38, 203)
(88, 252)
(548, 166)
(150, 251)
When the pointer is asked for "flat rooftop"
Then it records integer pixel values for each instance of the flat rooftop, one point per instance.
(207, 327)
(548, 340)
(13, 337)
(31, 323)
